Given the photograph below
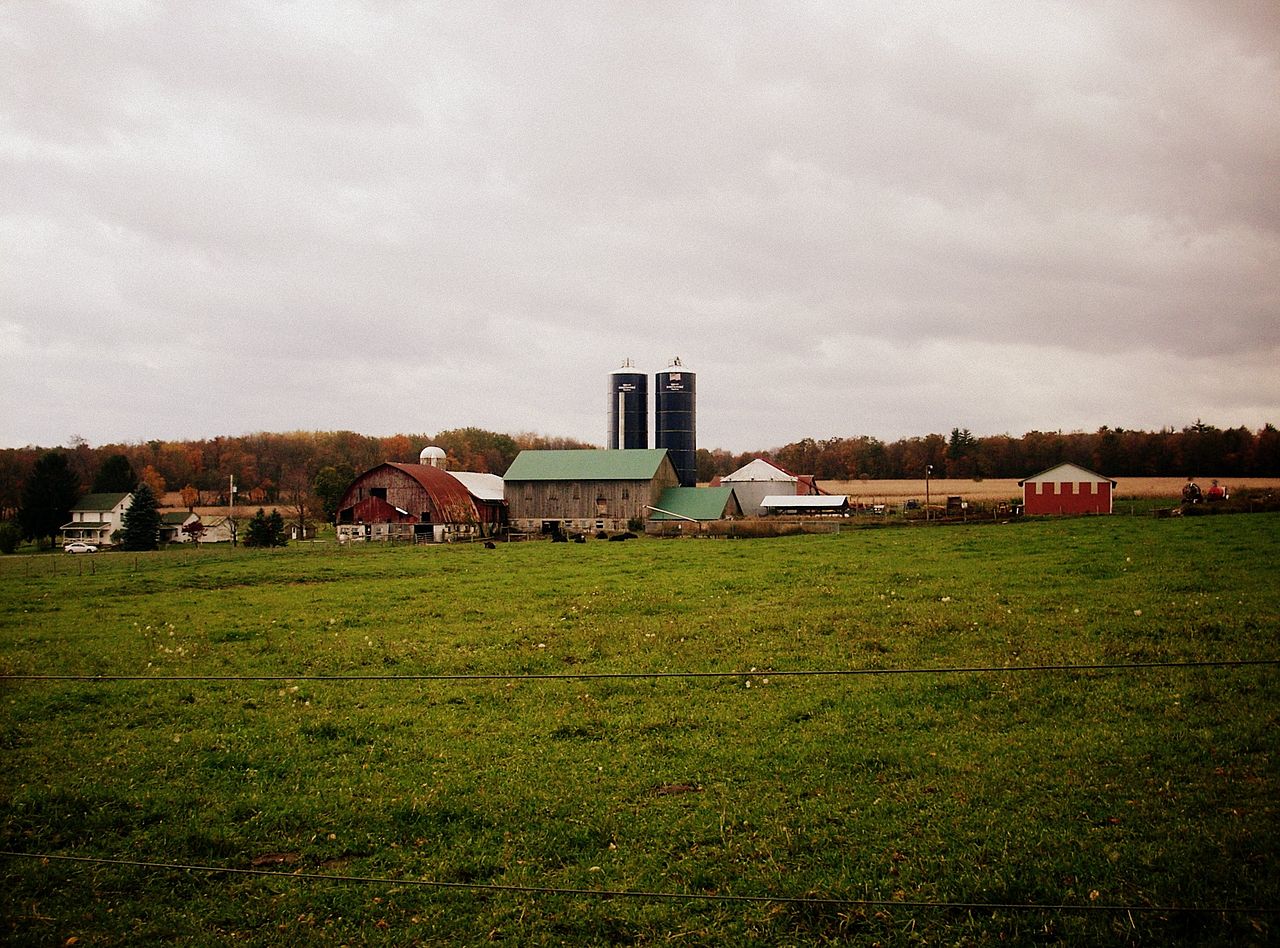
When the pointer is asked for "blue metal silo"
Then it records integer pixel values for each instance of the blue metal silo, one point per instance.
(628, 408)
(676, 424)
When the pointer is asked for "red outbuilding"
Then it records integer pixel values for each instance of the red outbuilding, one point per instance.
(1067, 489)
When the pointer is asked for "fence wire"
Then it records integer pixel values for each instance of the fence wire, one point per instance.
(638, 894)
(624, 676)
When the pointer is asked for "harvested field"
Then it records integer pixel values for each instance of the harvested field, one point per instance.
(995, 489)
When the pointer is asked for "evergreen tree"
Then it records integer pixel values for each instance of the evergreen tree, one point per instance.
(142, 521)
(264, 530)
(47, 497)
(275, 528)
(116, 476)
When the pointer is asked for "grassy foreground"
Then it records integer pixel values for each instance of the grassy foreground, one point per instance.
(1140, 787)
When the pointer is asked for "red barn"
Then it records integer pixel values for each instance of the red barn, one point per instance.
(1067, 489)
(414, 501)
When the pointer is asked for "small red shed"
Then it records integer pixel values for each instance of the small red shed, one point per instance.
(1067, 489)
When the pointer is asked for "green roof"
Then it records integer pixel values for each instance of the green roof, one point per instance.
(99, 501)
(633, 464)
(175, 516)
(693, 503)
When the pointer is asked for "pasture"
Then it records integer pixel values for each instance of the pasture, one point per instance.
(276, 719)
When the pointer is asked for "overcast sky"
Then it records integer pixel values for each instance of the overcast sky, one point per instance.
(847, 218)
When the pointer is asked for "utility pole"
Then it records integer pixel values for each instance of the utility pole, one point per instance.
(928, 469)
(231, 508)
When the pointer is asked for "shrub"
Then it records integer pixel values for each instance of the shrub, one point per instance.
(9, 537)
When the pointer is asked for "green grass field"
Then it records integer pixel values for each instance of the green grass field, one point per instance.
(861, 796)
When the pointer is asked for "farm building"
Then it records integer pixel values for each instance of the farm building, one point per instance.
(806, 505)
(755, 481)
(696, 504)
(216, 530)
(95, 517)
(420, 502)
(586, 490)
(179, 526)
(1067, 489)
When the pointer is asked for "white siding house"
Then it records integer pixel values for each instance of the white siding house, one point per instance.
(95, 517)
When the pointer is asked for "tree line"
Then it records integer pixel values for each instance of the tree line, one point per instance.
(306, 472)
(1196, 450)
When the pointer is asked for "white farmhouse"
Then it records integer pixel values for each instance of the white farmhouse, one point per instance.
(95, 517)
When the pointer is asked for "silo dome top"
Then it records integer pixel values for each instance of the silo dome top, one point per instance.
(432, 456)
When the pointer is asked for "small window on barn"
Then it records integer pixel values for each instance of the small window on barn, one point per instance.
(379, 492)
(602, 505)
(577, 491)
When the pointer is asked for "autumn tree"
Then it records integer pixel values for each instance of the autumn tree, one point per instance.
(154, 479)
(299, 499)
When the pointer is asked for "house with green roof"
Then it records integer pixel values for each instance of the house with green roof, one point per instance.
(95, 517)
(585, 490)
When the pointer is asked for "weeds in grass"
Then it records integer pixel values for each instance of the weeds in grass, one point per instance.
(1154, 787)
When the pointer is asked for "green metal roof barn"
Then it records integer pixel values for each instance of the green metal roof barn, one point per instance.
(585, 490)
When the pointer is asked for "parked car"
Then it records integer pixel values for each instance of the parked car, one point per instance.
(79, 546)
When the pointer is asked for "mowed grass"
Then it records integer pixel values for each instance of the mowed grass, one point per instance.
(1138, 787)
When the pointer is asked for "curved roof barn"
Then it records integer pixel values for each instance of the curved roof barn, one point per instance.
(407, 493)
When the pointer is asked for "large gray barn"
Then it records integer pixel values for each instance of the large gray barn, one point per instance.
(585, 490)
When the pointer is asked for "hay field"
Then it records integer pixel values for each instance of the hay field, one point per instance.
(1006, 488)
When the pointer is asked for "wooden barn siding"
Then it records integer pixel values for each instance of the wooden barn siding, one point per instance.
(556, 500)
(407, 494)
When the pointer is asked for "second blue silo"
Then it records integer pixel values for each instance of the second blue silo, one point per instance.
(675, 426)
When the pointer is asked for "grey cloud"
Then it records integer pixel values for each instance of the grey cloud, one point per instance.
(523, 195)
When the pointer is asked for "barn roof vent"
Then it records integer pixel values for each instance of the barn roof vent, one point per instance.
(433, 457)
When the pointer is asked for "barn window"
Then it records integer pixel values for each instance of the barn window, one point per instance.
(626, 494)
(602, 505)
(379, 492)
(577, 491)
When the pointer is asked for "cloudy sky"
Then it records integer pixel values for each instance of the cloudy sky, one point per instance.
(847, 218)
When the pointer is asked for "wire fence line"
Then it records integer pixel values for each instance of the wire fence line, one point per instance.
(657, 675)
(299, 878)
(638, 894)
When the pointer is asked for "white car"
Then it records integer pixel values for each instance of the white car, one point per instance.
(80, 547)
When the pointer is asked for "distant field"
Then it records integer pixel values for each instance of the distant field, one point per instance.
(1005, 489)
(932, 808)
(995, 489)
